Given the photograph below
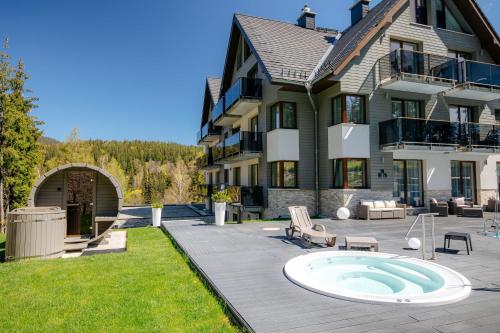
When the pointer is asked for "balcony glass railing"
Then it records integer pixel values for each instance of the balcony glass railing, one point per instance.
(208, 130)
(207, 159)
(418, 63)
(246, 195)
(218, 109)
(439, 67)
(238, 143)
(243, 88)
(479, 73)
(438, 133)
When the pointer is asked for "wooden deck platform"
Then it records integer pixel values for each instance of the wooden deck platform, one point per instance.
(244, 263)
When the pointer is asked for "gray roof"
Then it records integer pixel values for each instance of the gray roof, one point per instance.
(287, 51)
(214, 88)
(351, 38)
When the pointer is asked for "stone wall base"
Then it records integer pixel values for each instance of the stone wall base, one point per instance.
(278, 201)
(333, 199)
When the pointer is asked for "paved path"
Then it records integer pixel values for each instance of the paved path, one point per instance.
(140, 216)
(245, 262)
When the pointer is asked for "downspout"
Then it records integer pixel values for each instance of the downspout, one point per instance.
(308, 85)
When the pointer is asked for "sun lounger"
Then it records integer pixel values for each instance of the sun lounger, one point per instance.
(301, 223)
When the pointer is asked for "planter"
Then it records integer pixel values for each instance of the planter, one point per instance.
(220, 213)
(156, 217)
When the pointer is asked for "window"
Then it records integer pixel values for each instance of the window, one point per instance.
(254, 124)
(226, 176)
(498, 176)
(284, 174)
(284, 115)
(349, 173)
(460, 55)
(461, 114)
(348, 109)
(497, 115)
(254, 174)
(421, 11)
(408, 182)
(237, 176)
(446, 19)
(463, 180)
(406, 108)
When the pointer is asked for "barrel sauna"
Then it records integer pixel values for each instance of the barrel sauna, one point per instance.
(35, 232)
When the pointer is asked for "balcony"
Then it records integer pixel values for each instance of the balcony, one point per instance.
(242, 97)
(208, 161)
(247, 196)
(477, 81)
(208, 133)
(417, 72)
(423, 134)
(239, 147)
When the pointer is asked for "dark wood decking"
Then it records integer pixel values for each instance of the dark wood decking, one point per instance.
(245, 264)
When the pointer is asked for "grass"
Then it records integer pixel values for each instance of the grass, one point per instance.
(149, 288)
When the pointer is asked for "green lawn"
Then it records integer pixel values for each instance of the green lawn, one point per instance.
(149, 288)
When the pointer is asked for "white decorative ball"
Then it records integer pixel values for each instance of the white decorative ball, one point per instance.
(414, 243)
(343, 213)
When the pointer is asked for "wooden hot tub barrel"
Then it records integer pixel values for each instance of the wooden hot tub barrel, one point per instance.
(35, 232)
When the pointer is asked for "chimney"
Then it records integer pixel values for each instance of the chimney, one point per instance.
(307, 18)
(359, 10)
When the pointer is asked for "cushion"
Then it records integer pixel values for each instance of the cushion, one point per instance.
(367, 203)
(433, 200)
(460, 201)
(379, 204)
(390, 204)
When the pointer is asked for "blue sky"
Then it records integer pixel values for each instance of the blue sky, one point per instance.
(136, 69)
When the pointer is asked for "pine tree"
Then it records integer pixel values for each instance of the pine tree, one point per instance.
(20, 152)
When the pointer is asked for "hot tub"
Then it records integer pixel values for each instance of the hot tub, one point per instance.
(377, 278)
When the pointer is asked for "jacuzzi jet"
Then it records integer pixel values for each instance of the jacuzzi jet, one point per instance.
(377, 278)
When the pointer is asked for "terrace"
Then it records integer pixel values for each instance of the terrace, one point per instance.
(425, 73)
(239, 147)
(244, 263)
(417, 134)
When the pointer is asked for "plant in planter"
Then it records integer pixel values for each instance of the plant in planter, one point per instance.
(220, 198)
(156, 207)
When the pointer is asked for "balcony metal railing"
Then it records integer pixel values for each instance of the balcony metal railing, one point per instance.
(239, 143)
(247, 195)
(243, 88)
(208, 130)
(414, 131)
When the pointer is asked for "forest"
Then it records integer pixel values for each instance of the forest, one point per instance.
(148, 171)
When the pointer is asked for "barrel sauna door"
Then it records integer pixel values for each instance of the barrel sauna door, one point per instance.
(80, 201)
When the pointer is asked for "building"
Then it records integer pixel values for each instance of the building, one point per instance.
(402, 104)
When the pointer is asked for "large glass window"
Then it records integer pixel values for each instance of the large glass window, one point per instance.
(284, 115)
(408, 182)
(348, 109)
(446, 19)
(349, 173)
(237, 176)
(463, 180)
(284, 174)
(254, 174)
(406, 108)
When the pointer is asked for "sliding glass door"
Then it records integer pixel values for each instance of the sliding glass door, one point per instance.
(408, 182)
(463, 180)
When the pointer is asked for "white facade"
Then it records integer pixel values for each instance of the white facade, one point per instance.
(283, 145)
(349, 141)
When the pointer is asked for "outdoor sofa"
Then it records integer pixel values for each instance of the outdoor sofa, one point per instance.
(376, 210)
(440, 207)
(456, 205)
